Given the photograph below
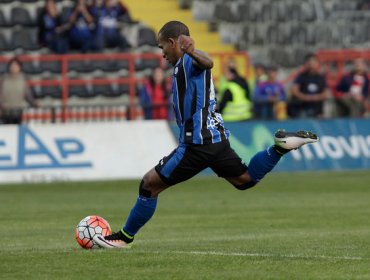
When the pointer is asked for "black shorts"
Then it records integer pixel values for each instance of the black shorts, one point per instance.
(188, 160)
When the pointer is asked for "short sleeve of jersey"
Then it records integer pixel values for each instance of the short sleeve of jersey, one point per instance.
(189, 67)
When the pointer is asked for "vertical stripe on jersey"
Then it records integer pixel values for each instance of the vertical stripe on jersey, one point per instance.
(181, 82)
(195, 105)
(206, 133)
(176, 105)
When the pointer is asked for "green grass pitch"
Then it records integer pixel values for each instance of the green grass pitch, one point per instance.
(291, 226)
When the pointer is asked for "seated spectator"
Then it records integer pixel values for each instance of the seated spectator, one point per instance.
(14, 93)
(270, 97)
(108, 31)
(52, 32)
(153, 95)
(81, 34)
(309, 91)
(235, 104)
(352, 91)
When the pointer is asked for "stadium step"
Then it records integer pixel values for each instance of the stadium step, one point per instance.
(156, 13)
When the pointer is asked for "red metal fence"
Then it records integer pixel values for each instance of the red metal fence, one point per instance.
(67, 112)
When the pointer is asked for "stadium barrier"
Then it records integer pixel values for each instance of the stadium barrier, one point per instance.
(122, 150)
(77, 151)
(344, 143)
(64, 72)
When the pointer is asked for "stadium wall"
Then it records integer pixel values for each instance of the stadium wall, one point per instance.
(63, 152)
(126, 150)
(344, 143)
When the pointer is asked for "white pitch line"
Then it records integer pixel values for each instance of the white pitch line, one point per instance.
(236, 254)
(263, 255)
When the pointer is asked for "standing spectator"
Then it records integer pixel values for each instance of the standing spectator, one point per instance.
(108, 31)
(52, 31)
(231, 66)
(14, 93)
(154, 96)
(235, 104)
(352, 91)
(309, 91)
(260, 74)
(82, 30)
(270, 97)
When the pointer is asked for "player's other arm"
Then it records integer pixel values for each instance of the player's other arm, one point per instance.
(200, 59)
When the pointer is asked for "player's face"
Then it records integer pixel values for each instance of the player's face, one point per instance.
(168, 46)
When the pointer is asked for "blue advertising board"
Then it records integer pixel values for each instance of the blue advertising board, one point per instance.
(343, 144)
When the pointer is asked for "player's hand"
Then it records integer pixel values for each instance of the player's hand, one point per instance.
(186, 44)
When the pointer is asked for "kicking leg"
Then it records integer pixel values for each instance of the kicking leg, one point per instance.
(142, 212)
(182, 164)
(264, 161)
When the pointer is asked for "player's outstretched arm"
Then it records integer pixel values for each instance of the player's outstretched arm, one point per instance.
(201, 59)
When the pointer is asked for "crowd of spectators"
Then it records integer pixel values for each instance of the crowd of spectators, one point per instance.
(264, 97)
(308, 96)
(95, 25)
(86, 27)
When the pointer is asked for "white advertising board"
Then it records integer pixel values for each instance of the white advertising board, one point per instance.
(91, 151)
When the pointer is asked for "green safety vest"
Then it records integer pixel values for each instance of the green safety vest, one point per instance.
(240, 108)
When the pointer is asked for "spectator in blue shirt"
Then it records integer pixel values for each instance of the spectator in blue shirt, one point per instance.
(108, 18)
(267, 95)
(52, 31)
(82, 27)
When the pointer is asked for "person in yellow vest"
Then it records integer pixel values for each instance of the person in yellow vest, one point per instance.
(235, 104)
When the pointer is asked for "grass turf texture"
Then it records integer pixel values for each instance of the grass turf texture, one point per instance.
(300, 226)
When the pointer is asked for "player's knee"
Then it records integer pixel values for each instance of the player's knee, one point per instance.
(149, 186)
(245, 186)
(144, 190)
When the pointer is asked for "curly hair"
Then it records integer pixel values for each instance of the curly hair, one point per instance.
(173, 29)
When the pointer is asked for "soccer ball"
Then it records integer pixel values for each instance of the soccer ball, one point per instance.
(88, 228)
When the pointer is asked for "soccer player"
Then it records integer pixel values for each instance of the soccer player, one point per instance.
(203, 136)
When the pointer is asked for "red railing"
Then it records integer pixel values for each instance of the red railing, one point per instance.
(334, 62)
(66, 112)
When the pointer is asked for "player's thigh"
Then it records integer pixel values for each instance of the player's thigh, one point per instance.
(182, 164)
(240, 180)
(229, 165)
